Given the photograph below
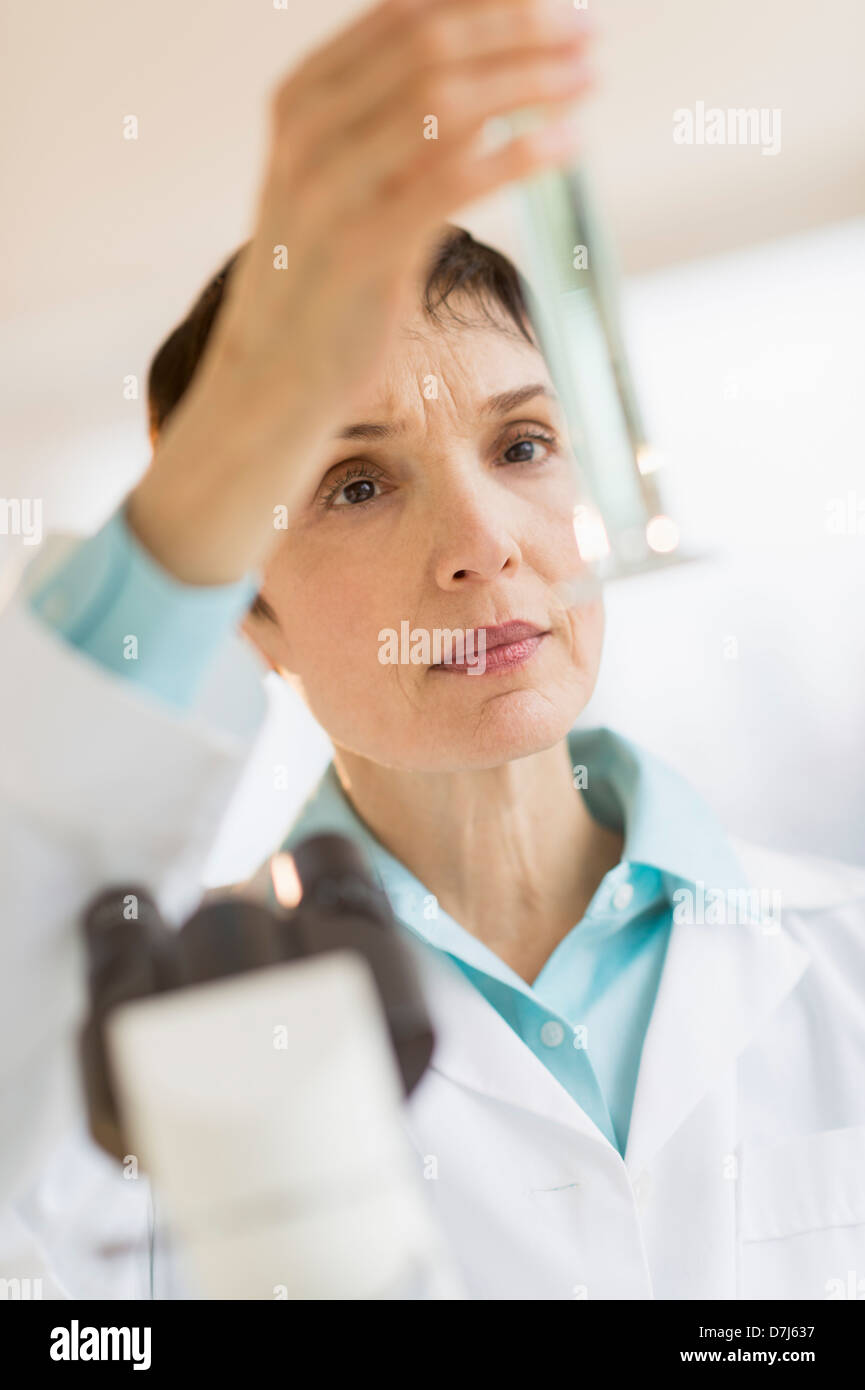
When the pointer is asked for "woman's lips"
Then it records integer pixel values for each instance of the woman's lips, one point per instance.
(506, 647)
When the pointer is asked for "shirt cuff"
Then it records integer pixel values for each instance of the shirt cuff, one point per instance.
(112, 601)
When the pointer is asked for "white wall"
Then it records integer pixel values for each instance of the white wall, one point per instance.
(752, 368)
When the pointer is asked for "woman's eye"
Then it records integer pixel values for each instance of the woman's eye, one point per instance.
(527, 449)
(352, 489)
(359, 491)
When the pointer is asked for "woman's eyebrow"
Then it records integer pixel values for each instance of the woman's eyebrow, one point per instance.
(495, 405)
(509, 400)
(369, 431)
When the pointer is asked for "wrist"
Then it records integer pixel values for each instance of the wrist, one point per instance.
(205, 508)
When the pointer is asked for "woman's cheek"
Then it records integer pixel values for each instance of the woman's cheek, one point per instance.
(553, 530)
(341, 642)
(588, 622)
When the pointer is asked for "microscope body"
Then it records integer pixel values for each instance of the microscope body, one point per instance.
(255, 1063)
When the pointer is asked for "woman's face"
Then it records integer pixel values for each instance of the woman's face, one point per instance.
(448, 505)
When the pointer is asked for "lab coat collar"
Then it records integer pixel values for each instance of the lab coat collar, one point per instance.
(720, 979)
(476, 1048)
(718, 984)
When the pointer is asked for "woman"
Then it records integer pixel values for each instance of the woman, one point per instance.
(620, 1105)
(552, 865)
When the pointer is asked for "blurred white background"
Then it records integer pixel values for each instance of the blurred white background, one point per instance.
(743, 295)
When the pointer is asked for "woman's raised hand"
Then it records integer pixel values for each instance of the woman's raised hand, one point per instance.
(374, 144)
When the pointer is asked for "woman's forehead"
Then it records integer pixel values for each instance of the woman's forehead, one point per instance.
(463, 367)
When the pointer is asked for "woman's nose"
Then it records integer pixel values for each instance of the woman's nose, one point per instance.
(473, 541)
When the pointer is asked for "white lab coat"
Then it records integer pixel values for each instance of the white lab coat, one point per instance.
(744, 1175)
(744, 1171)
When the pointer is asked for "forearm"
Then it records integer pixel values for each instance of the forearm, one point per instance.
(205, 510)
(113, 602)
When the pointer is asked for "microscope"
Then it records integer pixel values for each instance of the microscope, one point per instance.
(254, 1063)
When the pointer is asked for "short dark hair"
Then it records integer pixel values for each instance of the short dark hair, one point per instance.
(458, 263)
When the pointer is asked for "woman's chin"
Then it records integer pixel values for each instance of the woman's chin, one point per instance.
(513, 724)
(517, 724)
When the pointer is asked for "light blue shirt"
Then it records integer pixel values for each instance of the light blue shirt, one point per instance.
(110, 599)
(585, 1015)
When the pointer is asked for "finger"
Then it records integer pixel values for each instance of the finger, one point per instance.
(354, 42)
(322, 70)
(421, 207)
(392, 154)
(448, 41)
(435, 23)
(463, 31)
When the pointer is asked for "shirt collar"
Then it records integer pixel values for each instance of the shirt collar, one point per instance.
(666, 823)
(666, 826)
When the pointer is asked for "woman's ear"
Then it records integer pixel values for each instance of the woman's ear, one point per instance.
(263, 631)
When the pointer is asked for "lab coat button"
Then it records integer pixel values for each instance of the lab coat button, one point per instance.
(552, 1033)
(623, 896)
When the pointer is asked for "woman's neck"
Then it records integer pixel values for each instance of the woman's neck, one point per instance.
(511, 852)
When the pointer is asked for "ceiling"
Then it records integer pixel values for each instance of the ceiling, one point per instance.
(90, 212)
